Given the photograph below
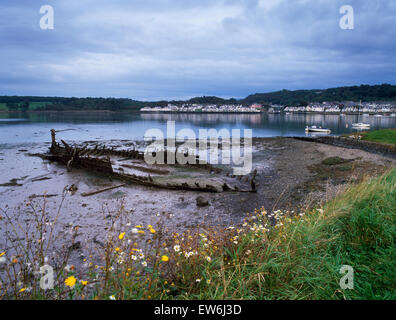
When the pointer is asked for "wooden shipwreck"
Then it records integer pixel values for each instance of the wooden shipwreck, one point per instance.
(99, 160)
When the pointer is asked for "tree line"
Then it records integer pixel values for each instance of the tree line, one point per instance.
(367, 93)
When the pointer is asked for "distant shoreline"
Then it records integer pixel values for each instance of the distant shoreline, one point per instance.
(192, 112)
(70, 111)
(265, 112)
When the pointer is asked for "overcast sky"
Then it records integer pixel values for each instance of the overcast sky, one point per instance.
(166, 49)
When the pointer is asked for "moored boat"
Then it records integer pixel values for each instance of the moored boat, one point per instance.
(361, 125)
(317, 129)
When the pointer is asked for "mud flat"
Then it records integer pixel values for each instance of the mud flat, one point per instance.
(308, 172)
(289, 171)
(354, 142)
(291, 174)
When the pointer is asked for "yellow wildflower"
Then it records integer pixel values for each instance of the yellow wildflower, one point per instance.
(2, 254)
(117, 249)
(84, 283)
(164, 258)
(121, 236)
(22, 290)
(71, 281)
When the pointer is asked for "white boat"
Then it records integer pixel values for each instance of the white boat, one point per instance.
(317, 129)
(378, 115)
(361, 125)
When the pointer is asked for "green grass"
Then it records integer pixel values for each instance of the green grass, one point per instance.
(3, 107)
(383, 136)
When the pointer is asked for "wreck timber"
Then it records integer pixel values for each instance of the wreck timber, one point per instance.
(98, 160)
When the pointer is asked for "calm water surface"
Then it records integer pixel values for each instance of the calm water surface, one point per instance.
(19, 129)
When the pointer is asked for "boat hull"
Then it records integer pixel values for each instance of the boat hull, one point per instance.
(360, 125)
(318, 130)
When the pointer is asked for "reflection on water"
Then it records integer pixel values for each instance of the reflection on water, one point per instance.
(205, 118)
(34, 127)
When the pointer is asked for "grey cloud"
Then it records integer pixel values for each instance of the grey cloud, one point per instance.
(176, 48)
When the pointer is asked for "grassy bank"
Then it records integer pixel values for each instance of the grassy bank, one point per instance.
(383, 136)
(269, 256)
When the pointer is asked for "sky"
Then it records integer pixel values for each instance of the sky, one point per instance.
(177, 49)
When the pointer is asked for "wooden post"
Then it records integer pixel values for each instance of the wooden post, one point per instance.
(53, 145)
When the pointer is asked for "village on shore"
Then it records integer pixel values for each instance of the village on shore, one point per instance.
(384, 108)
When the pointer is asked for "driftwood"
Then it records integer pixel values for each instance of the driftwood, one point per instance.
(87, 194)
(252, 183)
(98, 160)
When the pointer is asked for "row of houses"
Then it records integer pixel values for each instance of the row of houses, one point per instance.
(325, 107)
(348, 107)
(204, 108)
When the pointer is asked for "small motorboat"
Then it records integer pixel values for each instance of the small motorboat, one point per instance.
(317, 129)
(361, 125)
